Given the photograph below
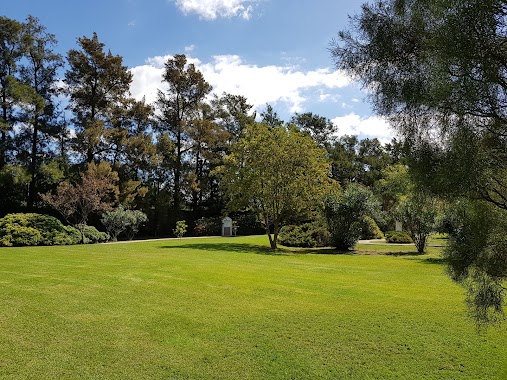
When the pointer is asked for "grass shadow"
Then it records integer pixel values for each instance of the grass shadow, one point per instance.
(434, 260)
(331, 251)
(403, 253)
(230, 247)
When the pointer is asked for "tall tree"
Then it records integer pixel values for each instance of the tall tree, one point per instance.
(318, 127)
(179, 106)
(10, 53)
(232, 113)
(206, 145)
(39, 73)
(437, 70)
(96, 81)
(278, 173)
(270, 117)
(373, 160)
(345, 167)
(131, 148)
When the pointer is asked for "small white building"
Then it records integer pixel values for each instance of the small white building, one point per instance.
(227, 227)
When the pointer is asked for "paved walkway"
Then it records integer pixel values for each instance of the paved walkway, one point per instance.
(159, 239)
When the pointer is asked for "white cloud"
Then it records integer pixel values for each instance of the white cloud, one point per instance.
(213, 9)
(372, 126)
(189, 48)
(132, 23)
(259, 84)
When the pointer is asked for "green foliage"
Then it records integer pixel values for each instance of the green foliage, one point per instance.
(208, 226)
(248, 224)
(308, 235)
(180, 229)
(16, 235)
(370, 229)
(92, 235)
(14, 180)
(186, 90)
(436, 71)
(35, 229)
(476, 256)
(358, 161)
(418, 214)
(345, 212)
(122, 220)
(96, 80)
(393, 186)
(277, 173)
(399, 237)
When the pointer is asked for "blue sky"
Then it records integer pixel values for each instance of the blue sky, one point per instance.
(271, 51)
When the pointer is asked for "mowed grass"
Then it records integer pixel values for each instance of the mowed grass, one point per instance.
(219, 308)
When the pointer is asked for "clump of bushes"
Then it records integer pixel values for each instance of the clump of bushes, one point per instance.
(92, 235)
(35, 229)
(345, 213)
(400, 237)
(370, 229)
(208, 226)
(121, 220)
(308, 235)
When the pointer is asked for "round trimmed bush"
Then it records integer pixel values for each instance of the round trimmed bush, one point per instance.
(400, 237)
(370, 229)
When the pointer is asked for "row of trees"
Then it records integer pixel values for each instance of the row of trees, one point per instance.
(79, 131)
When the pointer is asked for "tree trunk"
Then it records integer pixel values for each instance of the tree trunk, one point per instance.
(420, 242)
(3, 142)
(275, 236)
(195, 194)
(82, 235)
(272, 243)
(33, 166)
(177, 174)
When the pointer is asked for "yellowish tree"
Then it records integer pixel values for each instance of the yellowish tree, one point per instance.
(277, 173)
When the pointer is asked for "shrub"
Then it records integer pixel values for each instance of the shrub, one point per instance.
(208, 226)
(307, 235)
(15, 235)
(370, 229)
(35, 229)
(344, 214)
(121, 220)
(92, 235)
(181, 228)
(71, 236)
(400, 237)
(418, 214)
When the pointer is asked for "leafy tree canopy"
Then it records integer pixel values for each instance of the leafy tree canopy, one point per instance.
(276, 172)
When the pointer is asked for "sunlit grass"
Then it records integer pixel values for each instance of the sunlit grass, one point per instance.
(229, 308)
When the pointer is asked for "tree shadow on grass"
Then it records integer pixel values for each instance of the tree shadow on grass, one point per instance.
(231, 247)
(403, 253)
(329, 251)
(434, 260)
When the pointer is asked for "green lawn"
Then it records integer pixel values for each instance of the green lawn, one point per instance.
(219, 308)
